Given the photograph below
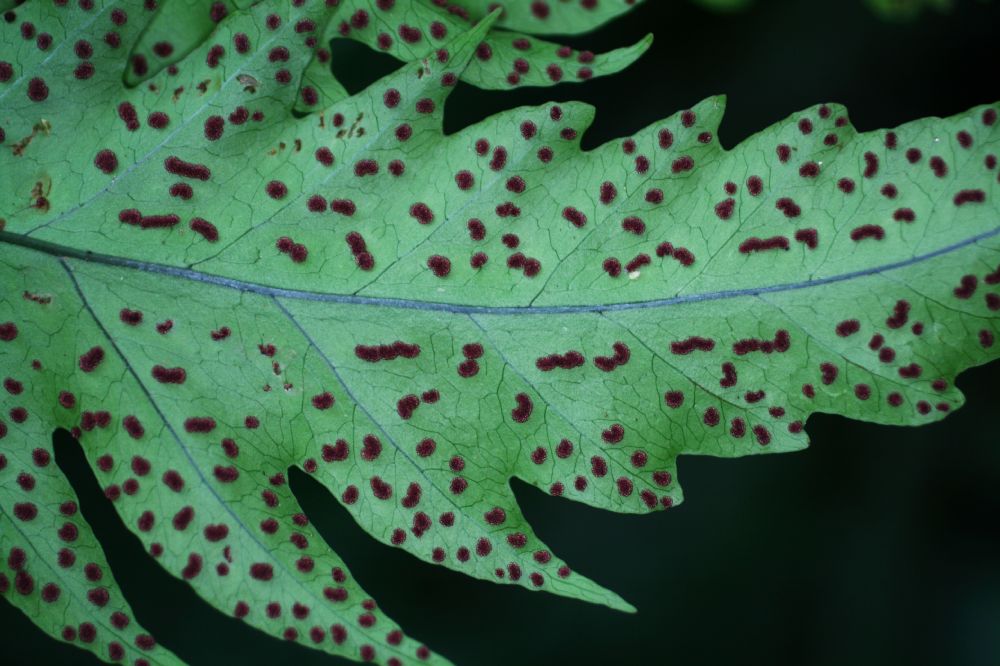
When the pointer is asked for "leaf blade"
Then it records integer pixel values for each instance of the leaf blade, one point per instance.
(650, 379)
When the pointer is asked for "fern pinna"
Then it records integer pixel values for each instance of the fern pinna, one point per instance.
(218, 265)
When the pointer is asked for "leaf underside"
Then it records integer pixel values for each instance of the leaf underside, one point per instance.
(209, 284)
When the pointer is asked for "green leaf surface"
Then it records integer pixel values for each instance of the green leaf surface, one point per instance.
(405, 29)
(553, 17)
(414, 318)
(55, 570)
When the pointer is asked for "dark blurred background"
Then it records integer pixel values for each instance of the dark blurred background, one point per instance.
(878, 545)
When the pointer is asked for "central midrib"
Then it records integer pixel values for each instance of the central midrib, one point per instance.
(412, 304)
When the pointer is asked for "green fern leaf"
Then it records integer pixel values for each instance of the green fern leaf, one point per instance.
(208, 290)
